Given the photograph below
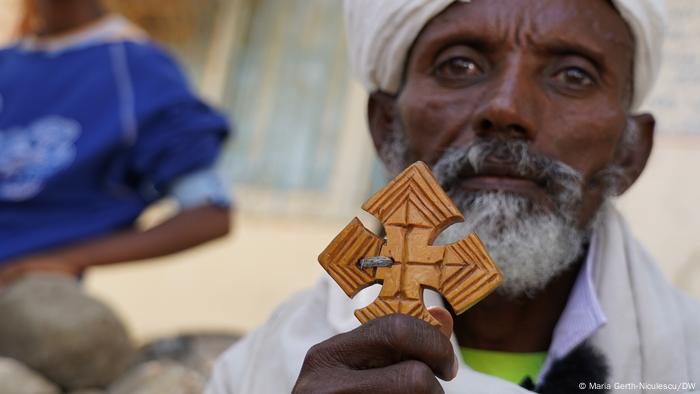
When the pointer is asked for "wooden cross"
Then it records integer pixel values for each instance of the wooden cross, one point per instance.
(414, 211)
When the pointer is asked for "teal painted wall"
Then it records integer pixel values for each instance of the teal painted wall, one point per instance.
(287, 93)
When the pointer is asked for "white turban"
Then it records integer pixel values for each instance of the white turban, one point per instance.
(381, 32)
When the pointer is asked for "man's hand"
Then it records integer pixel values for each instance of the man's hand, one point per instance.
(15, 270)
(392, 354)
(186, 229)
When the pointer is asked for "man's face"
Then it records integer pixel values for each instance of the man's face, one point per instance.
(525, 104)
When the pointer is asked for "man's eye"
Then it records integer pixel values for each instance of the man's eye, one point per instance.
(458, 68)
(576, 77)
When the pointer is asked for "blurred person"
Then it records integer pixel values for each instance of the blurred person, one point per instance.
(528, 112)
(96, 124)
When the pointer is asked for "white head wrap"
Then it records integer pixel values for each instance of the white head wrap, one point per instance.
(381, 32)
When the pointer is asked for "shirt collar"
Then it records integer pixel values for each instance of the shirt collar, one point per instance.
(109, 28)
(582, 316)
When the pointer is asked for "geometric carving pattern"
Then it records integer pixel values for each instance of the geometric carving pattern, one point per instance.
(414, 210)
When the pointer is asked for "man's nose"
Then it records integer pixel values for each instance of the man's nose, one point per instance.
(507, 109)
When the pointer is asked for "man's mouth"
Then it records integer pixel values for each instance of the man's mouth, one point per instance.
(493, 177)
(497, 182)
(509, 167)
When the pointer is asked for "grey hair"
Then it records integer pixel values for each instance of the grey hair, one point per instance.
(531, 245)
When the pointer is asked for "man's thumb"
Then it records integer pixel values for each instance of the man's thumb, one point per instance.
(445, 319)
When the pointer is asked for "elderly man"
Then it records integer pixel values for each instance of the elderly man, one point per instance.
(527, 111)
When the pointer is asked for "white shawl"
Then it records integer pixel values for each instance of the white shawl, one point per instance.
(652, 335)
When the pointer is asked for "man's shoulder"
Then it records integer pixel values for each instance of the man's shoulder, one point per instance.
(690, 311)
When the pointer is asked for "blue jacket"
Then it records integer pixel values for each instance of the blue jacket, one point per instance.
(90, 136)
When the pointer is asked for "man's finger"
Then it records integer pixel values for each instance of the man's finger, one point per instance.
(405, 377)
(447, 326)
(8, 276)
(386, 341)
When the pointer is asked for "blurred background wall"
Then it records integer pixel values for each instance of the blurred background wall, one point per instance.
(302, 162)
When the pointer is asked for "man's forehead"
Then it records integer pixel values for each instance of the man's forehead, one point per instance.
(592, 24)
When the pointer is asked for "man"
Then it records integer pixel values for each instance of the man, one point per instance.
(527, 111)
(96, 124)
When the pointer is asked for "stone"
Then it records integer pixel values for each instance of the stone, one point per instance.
(195, 351)
(89, 391)
(16, 378)
(52, 326)
(160, 377)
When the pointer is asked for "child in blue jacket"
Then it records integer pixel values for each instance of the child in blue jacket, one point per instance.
(96, 124)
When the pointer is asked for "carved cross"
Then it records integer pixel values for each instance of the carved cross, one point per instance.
(414, 210)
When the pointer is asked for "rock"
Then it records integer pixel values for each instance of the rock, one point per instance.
(93, 391)
(160, 377)
(194, 351)
(16, 378)
(52, 326)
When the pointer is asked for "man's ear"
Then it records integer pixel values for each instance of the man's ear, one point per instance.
(381, 112)
(634, 157)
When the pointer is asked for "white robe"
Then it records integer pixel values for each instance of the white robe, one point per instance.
(652, 335)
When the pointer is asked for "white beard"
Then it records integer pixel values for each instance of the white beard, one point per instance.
(531, 248)
(530, 244)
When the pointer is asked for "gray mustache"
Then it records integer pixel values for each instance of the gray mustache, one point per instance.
(512, 158)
